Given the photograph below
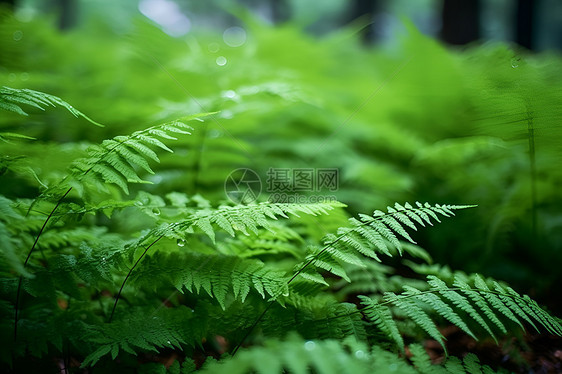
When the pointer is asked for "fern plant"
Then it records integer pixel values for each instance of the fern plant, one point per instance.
(220, 294)
(119, 255)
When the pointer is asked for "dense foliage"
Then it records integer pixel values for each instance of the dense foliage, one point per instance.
(121, 252)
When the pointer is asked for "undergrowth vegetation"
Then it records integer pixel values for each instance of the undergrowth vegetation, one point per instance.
(122, 253)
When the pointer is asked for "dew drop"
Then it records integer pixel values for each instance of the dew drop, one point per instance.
(309, 345)
(221, 61)
(156, 211)
(515, 62)
(359, 354)
(169, 342)
(139, 203)
(181, 242)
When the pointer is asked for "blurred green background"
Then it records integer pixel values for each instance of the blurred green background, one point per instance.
(310, 84)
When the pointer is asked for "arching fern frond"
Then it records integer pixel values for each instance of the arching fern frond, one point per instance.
(370, 236)
(115, 161)
(12, 98)
(241, 218)
(466, 302)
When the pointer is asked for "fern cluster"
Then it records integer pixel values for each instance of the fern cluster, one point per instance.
(124, 254)
(230, 293)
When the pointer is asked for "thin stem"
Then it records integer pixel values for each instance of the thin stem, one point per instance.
(252, 327)
(129, 274)
(27, 260)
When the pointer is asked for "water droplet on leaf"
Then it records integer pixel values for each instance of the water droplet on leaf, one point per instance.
(181, 242)
(156, 211)
(221, 61)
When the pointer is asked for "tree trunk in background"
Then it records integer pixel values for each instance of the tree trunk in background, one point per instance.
(280, 11)
(525, 15)
(461, 21)
(67, 13)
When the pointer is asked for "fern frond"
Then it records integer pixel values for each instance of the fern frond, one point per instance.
(241, 218)
(144, 330)
(452, 365)
(9, 219)
(299, 356)
(372, 235)
(218, 276)
(381, 316)
(459, 304)
(7, 136)
(12, 98)
(114, 160)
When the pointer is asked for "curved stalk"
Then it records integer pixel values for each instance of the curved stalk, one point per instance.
(18, 292)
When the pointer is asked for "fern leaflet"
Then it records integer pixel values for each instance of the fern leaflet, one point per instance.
(12, 98)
